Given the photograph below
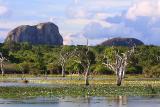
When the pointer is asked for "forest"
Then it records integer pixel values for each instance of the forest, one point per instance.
(24, 58)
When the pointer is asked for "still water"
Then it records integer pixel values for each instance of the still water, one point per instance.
(119, 101)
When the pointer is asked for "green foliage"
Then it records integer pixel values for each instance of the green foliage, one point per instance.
(134, 70)
(53, 68)
(153, 71)
(85, 55)
(76, 91)
(74, 67)
(25, 67)
(101, 69)
(39, 59)
(11, 68)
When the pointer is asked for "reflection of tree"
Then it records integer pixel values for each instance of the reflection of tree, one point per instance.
(119, 101)
(2, 59)
(81, 101)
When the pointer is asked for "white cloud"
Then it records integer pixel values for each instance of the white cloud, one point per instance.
(102, 15)
(74, 39)
(140, 21)
(2, 36)
(12, 24)
(67, 39)
(88, 8)
(144, 8)
(3, 10)
(76, 1)
(77, 21)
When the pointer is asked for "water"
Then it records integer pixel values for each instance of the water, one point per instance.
(7, 84)
(120, 101)
(20, 84)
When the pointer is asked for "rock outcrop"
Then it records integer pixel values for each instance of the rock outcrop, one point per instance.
(122, 42)
(41, 34)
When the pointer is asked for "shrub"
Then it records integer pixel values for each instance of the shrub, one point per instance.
(101, 69)
(25, 67)
(11, 68)
(134, 70)
(153, 71)
(53, 68)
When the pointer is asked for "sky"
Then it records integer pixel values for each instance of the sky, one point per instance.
(79, 20)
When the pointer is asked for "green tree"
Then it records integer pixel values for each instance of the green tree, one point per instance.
(86, 58)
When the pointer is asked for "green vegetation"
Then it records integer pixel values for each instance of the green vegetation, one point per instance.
(30, 59)
(73, 85)
(74, 90)
(76, 60)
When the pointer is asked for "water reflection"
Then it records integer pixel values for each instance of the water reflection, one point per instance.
(117, 101)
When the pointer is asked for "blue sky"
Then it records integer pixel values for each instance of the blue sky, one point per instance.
(96, 20)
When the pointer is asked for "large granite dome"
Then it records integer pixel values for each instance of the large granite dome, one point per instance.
(43, 33)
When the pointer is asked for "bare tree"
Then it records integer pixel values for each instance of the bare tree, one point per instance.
(87, 66)
(2, 59)
(119, 66)
(64, 56)
(84, 58)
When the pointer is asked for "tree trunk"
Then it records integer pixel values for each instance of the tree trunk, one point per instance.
(119, 81)
(2, 70)
(63, 71)
(120, 75)
(79, 75)
(86, 79)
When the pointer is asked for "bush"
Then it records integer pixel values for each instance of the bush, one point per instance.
(28, 67)
(25, 67)
(101, 69)
(134, 70)
(53, 68)
(153, 71)
(11, 68)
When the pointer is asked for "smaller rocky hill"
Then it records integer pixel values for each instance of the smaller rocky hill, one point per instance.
(122, 42)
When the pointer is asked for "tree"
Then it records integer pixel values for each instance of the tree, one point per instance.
(85, 57)
(101, 69)
(39, 63)
(65, 53)
(2, 59)
(120, 64)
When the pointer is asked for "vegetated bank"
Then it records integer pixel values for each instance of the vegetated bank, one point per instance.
(78, 90)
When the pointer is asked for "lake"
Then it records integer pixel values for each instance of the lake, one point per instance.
(119, 101)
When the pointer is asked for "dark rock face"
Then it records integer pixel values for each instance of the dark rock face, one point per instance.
(122, 42)
(43, 34)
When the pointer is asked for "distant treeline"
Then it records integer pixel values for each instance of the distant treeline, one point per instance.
(42, 59)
